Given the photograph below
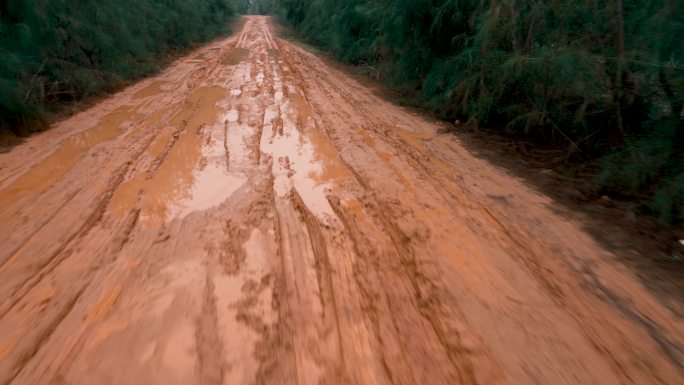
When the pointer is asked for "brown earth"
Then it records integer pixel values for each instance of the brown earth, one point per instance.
(253, 216)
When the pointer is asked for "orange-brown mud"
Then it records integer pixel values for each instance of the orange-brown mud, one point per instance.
(253, 216)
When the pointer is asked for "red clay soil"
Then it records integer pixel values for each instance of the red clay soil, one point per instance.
(253, 216)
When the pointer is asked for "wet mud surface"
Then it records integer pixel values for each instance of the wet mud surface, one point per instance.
(253, 216)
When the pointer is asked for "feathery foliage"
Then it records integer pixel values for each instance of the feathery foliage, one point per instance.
(599, 76)
(54, 52)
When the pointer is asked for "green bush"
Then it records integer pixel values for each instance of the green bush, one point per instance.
(650, 169)
(54, 52)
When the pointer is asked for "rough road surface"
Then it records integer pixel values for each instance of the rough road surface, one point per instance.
(253, 216)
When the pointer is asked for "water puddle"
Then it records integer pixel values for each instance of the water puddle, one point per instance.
(191, 176)
(161, 141)
(304, 159)
(273, 53)
(325, 152)
(212, 185)
(235, 56)
(277, 85)
(149, 123)
(232, 115)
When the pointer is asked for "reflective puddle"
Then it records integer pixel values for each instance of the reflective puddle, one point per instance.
(190, 176)
(235, 56)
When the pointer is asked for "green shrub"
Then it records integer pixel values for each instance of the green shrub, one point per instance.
(651, 169)
(57, 51)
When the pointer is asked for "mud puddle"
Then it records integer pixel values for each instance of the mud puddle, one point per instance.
(211, 186)
(178, 184)
(235, 56)
(302, 160)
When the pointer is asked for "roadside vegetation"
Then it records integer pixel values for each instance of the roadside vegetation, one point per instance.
(56, 52)
(605, 79)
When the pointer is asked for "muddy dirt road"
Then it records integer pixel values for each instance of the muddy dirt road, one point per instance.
(253, 216)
